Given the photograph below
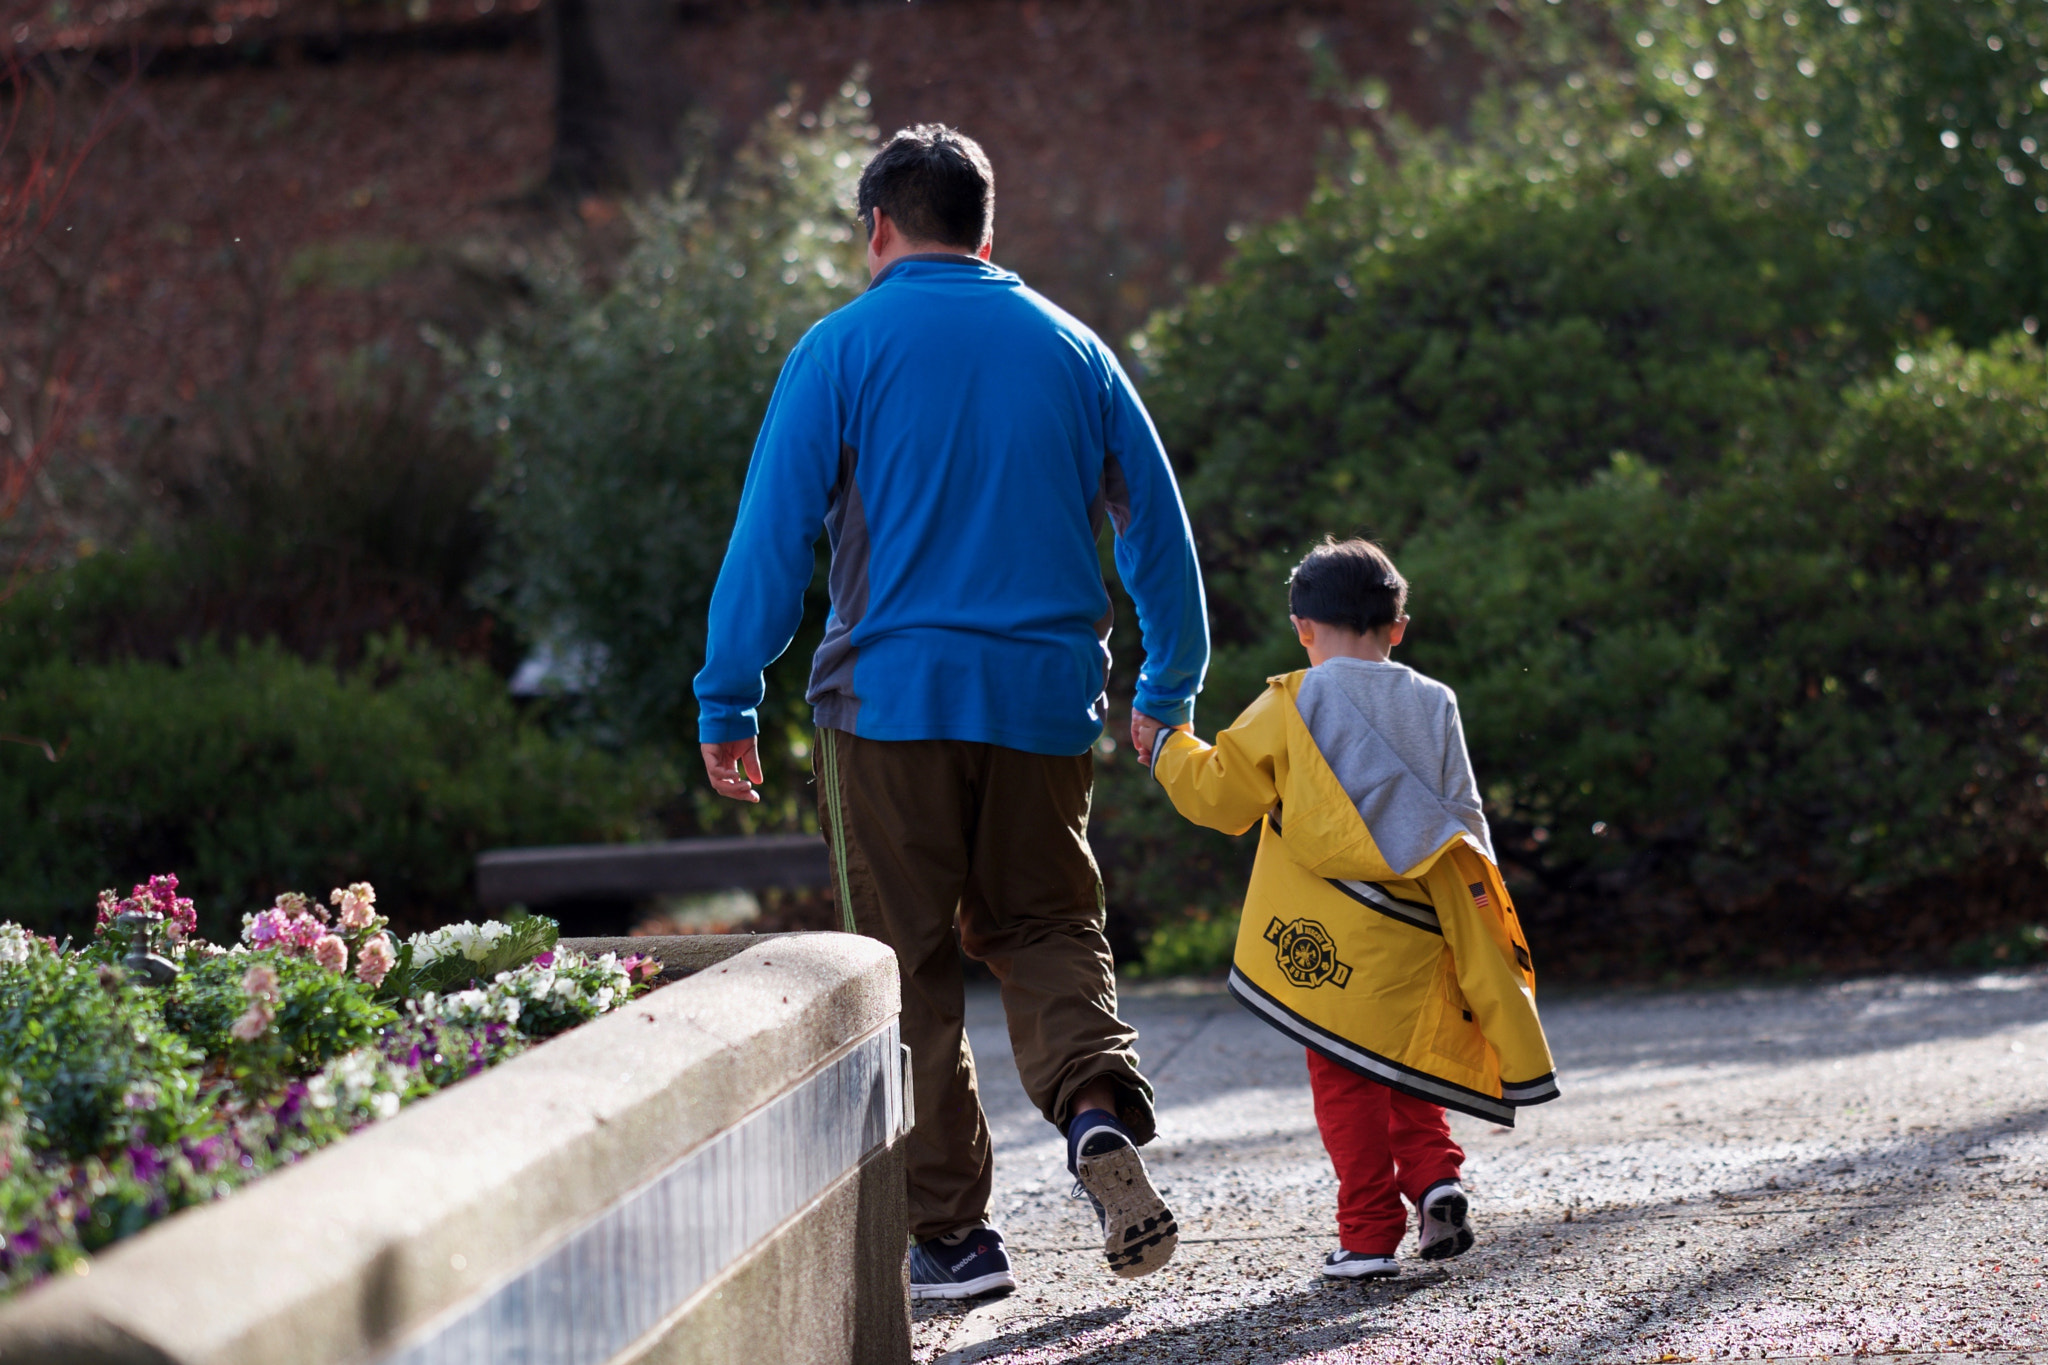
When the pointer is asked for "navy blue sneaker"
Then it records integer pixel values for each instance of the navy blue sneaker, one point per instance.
(961, 1265)
(1138, 1230)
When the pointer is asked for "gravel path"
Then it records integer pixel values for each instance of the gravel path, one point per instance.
(1819, 1173)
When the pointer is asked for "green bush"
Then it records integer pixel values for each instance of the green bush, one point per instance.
(1828, 668)
(337, 524)
(1610, 370)
(250, 772)
(624, 419)
(319, 1014)
(1198, 944)
(1444, 342)
(2019, 947)
(1911, 133)
(1408, 350)
(89, 1061)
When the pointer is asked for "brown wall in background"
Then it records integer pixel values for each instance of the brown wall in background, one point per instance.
(1127, 135)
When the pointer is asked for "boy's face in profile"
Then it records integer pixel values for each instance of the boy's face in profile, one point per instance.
(1325, 641)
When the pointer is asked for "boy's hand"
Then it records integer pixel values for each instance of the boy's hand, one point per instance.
(734, 768)
(1145, 733)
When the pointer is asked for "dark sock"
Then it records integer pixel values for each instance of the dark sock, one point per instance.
(1086, 1125)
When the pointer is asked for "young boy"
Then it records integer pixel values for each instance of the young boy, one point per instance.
(1376, 929)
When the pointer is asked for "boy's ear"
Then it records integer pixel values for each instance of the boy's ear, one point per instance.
(1304, 631)
(1396, 631)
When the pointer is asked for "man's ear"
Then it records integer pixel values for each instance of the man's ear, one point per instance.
(986, 248)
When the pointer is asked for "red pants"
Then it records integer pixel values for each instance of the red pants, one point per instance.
(1384, 1145)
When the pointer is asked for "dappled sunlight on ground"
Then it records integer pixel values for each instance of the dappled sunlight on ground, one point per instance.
(1800, 1173)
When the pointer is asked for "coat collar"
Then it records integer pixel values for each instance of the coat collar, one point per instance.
(953, 258)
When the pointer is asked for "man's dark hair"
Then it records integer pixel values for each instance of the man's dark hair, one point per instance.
(935, 184)
(1348, 583)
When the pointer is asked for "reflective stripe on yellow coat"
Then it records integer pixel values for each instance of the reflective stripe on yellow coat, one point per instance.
(1419, 977)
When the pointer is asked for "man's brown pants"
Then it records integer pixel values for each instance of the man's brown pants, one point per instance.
(924, 832)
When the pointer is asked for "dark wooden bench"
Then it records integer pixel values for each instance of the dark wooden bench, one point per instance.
(598, 883)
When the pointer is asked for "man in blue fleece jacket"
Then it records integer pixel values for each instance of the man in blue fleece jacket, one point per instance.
(961, 441)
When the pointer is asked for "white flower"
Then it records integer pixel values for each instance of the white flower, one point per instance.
(15, 944)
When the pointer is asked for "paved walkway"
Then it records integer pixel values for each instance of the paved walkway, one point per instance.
(1789, 1174)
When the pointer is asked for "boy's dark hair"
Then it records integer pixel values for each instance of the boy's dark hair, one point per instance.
(1348, 583)
(935, 183)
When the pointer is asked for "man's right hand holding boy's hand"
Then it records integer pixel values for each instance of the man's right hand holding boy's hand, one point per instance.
(1145, 733)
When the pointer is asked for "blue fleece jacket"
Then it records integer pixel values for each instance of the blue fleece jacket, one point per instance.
(961, 440)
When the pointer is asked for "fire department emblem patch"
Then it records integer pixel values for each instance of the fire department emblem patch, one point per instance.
(1307, 954)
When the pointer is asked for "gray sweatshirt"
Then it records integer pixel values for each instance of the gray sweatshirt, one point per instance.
(1393, 739)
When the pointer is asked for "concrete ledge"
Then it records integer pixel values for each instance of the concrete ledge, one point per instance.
(526, 1201)
(538, 876)
(680, 955)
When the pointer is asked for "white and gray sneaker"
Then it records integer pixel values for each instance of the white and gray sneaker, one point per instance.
(1354, 1265)
(1138, 1229)
(1446, 1227)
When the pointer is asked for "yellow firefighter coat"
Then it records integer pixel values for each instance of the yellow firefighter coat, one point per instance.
(1417, 977)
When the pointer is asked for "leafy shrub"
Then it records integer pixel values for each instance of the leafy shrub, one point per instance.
(624, 419)
(319, 1014)
(1405, 351)
(1195, 945)
(553, 993)
(110, 1121)
(89, 1062)
(335, 525)
(1594, 366)
(1831, 668)
(455, 955)
(251, 771)
(2011, 948)
(1444, 342)
(1913, 132)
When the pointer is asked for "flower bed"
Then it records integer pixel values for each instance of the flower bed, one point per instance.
(150, 1070)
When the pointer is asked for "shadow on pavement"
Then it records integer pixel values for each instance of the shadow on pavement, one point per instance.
(1333, 1317)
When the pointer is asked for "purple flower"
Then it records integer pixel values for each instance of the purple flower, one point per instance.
(146, 1163)
(207, 1154)
(546, 959)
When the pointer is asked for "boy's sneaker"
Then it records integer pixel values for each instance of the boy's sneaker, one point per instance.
(1445, 1229)
(961, 1265)
(1138, 1230)
(1353, 1265)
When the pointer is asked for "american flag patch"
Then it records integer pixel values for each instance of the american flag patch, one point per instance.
(1479, 899)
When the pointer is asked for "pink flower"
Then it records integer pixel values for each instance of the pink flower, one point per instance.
(250, 1026)
(280, 927)
(358, 905)
(110, 906)
(159, 896)
(296, 903)
(259, 983)
(330, 952)
(267, 929)
(374, 959)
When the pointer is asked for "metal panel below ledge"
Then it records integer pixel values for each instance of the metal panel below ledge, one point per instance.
(539, 876)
